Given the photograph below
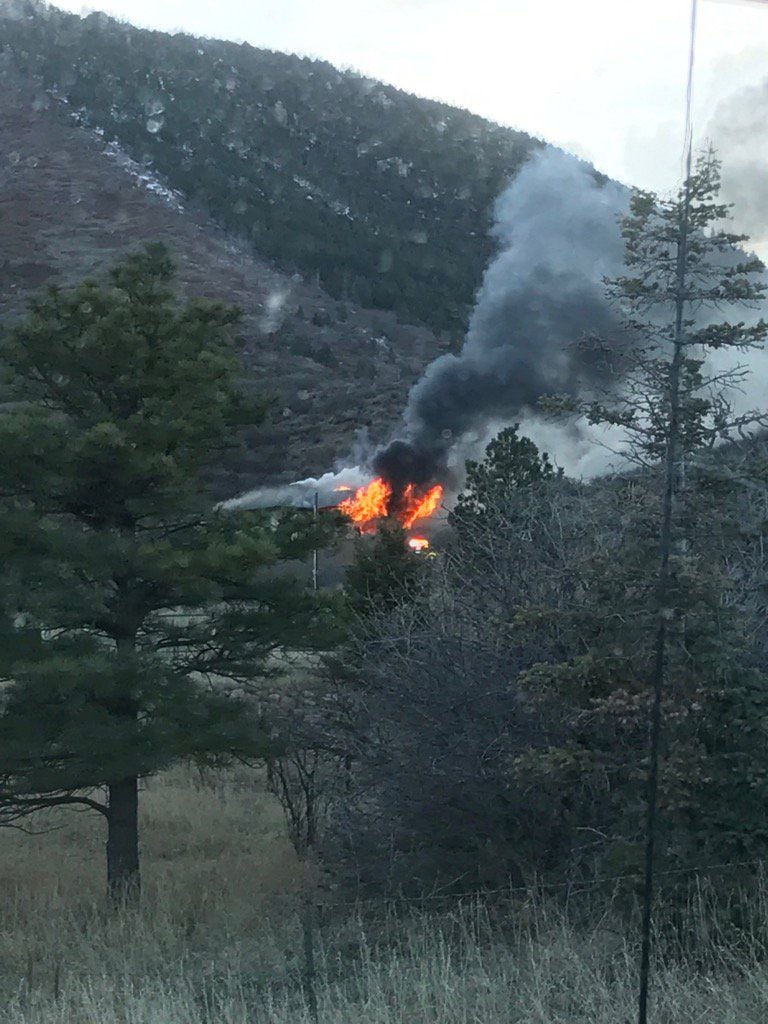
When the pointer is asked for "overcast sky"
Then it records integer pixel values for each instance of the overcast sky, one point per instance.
(603, 78)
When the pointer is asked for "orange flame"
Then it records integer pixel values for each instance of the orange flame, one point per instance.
(415, 507)
(418, 543)
(375, 502)
(369, 503)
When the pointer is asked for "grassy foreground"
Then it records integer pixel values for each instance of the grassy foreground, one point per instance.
(217, 939)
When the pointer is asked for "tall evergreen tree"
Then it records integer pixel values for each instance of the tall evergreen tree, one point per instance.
(127, 596)
(658, 589)
(683, 268)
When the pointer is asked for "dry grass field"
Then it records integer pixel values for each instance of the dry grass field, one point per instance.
(217, 938)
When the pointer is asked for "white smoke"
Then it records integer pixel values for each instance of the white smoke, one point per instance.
(302, 494)
(274, 310)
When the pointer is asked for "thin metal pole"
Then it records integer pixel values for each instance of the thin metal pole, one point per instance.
(665, 546)
(310, 972)
(314, 552)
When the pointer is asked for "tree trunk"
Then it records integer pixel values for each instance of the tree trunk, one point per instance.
(123, 880)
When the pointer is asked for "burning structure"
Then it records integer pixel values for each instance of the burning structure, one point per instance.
(379, 500)
(558, 238)
(558, 233)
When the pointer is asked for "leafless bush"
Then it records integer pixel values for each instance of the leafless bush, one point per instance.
(448, 710)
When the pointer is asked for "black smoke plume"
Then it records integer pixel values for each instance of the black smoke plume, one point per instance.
(559, 237)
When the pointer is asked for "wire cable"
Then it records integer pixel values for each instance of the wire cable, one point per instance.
(688, 130)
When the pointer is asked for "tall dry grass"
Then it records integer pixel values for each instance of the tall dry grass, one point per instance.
(217, 939)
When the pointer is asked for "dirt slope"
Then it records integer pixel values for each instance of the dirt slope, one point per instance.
(70, 205)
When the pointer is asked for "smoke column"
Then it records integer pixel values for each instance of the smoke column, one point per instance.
(558, 234)
(739, 132)
(558, 237)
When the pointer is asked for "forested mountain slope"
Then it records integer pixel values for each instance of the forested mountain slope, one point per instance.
(71, 205)
(382, 197)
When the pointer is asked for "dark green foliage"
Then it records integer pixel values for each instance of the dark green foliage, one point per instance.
(61, 727)
(128, 597)
(383, 196)
(324, 355)
(594, 658)
(385, 571)
(656, 614)
(511, 461)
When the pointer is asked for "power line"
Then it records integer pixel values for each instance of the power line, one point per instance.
(741, 3)
(688, 130)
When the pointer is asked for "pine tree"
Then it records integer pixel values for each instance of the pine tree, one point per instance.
(385, 571)
(510, 462)
(128, 597)
(638, 602)
(683, 271)
(683, 268)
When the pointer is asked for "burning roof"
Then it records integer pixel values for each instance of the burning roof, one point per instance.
(382, 500)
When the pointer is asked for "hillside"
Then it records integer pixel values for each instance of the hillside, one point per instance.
(71, 204)
(381, 197)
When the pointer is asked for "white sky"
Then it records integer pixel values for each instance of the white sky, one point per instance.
(603, 78)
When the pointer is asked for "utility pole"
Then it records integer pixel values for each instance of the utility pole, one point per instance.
(315, 508)
(671, 484)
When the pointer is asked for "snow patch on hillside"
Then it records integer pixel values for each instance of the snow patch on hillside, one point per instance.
(143, 176)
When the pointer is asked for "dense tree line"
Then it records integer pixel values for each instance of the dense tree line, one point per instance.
(499, 706)
(385, 197)
(499, 713)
